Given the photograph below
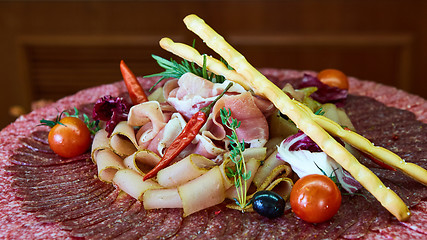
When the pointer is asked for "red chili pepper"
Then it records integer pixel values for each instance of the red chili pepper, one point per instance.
(187, 135)
(376, 161)
(136, 92)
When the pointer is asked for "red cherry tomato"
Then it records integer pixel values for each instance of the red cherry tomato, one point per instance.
(71, 138)
(315, 198)
(333, 78)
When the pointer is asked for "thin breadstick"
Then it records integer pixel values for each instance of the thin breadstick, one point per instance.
(304, 119)
(214, 65)
(412, 170)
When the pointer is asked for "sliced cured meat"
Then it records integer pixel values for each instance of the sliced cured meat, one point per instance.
(35, 178)
(418, 222)
(41, 203)
(122, 203)
(55, 189)
(362, 224)
(233, 223)
(20, 170)
(40, 136)
(165, 226)
(251, 225)
(120, 225)
(23, 157)
(35, 145)
(75, 209)
(254, 126)
(216, 223)
(49, 200)
(89, 208)
(192, 226)
(144, 226)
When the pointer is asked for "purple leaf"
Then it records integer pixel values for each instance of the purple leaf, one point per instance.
(324, 93)
(111, 110)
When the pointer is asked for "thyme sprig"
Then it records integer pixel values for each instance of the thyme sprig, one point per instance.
(240, 174)
(173, 69)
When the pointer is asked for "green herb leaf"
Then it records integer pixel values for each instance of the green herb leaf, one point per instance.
(93, 126)
(173, 69)
(320, 112)
(240, 174)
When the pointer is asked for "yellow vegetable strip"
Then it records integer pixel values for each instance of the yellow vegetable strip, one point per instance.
(262, 86)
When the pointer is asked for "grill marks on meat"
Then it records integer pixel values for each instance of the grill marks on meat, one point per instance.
(67, 191)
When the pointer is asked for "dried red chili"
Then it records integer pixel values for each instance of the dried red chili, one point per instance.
(187, 135)
(376, 161)
(136, 92)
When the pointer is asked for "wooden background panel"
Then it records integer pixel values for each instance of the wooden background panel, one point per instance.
(54, 48)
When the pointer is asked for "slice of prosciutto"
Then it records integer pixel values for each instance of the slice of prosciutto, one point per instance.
(254, 125)
(191, 92)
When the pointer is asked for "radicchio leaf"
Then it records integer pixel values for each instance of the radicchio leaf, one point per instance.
(304, 143)
(306, 158)
(112, 110)
(324, 93)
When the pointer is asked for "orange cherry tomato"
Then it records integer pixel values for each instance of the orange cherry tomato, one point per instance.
(315, 198)
(71, 138)
(333, 78)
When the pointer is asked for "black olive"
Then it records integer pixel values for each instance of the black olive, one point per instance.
(268, 204)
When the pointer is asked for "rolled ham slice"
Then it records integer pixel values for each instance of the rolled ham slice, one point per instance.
(108, 163)
(183, 171)
(202, 192)
(267, 168)
(162, 198)
(149, 116)
(133, 184)
(142, 161)
(122, 140)
(100, 142)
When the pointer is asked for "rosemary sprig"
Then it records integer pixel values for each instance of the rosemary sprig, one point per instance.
(173, 69)
(240, 174)
(320, 112)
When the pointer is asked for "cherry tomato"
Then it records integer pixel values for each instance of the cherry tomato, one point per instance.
(71, 138)
(333, 78)
(315, 198)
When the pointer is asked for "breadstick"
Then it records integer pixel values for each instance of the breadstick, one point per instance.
(214, 65)
(304, 119)
(412, 170)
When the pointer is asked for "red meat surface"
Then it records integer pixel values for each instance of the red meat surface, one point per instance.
(46, 197)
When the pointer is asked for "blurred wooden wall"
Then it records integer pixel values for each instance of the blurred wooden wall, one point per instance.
(50, 49)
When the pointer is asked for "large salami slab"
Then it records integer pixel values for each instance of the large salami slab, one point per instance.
(44, 196)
